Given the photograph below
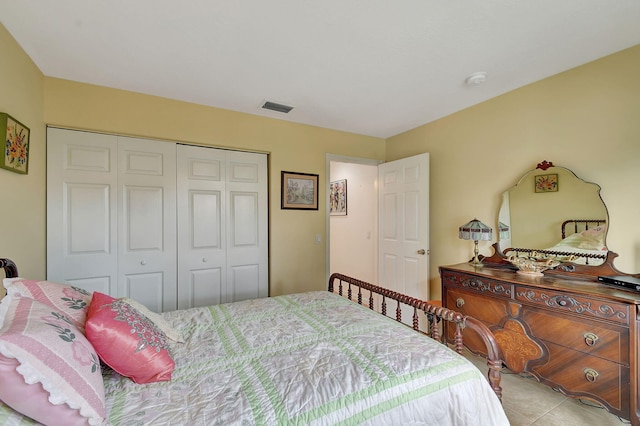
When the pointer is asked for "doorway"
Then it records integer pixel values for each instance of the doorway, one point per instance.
(383, 236)
(352, 238)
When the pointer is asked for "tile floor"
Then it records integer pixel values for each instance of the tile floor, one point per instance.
(530, 403)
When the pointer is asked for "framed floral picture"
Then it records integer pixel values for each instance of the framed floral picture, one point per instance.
(546, 183)
(338, 198)
(15, 155)
(299, 191)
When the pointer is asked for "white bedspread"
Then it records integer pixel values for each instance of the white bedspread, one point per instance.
(310, 358)
(305, 359)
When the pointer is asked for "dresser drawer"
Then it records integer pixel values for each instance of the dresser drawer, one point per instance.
(599, 339)
(487, 310)
(576, 304)
(490, 311)
(579, 374)
(476, 284)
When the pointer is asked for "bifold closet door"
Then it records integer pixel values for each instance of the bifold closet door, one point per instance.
(169, 225)
(82, 214)
(222, 226)
(247, 226)
(201, 226)
(111, 215)
(147, 222)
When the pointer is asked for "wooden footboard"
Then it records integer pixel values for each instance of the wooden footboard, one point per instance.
(434, 314)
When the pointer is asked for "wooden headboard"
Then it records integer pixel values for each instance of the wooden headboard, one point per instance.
(579, 225)
(10, 268)
(569, 227)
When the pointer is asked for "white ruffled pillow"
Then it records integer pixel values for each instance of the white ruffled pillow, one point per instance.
(42, 352)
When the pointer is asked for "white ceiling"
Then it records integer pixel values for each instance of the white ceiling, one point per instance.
(372, 67)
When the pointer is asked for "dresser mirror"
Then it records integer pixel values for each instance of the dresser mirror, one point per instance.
(551, 213)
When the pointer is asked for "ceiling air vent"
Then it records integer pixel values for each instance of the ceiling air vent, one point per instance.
(277, 107)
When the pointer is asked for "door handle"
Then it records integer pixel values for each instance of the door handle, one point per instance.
(421, 251)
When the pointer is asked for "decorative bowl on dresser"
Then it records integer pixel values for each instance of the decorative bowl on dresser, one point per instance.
(567, 329)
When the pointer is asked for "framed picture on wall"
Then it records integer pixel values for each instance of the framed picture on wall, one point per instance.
(299, 191)
(338, 198)
(15, 153)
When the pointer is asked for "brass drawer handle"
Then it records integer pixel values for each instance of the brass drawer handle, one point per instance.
(590, 339)
(590, 374)
(459, 302)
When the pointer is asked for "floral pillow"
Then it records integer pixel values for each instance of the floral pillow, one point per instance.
(594, 238)
(71, 301)
(128, 341)
(48, 369)
(170, 332)
(591, 239)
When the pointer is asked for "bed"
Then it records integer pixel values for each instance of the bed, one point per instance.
(582, 241)
(307, 358)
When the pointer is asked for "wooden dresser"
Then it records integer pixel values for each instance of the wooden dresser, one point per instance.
(575, 335)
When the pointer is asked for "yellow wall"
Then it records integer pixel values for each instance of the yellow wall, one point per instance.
(586, 119)
(22, 201)
(297, 263)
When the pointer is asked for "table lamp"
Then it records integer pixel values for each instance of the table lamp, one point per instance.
(476, 231)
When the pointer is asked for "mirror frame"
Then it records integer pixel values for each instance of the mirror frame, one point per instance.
(591, 272)
(593, 201)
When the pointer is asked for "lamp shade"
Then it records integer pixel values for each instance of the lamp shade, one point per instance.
(476, 231)
(504, 230)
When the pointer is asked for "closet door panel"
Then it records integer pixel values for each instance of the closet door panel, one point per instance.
(147, 222)
(201, 229)
(206, 286)
(247, 211)
(146, 288)
(245, 221)
(87, 214)
(243, 282)
(205, 218)
(82, 209)
(143, 208)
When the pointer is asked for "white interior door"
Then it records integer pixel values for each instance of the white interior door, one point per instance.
(147, 222)
(82, 183)
(201, 226)
(403, 203)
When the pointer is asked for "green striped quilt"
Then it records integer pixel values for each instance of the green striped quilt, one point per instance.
(304, 359)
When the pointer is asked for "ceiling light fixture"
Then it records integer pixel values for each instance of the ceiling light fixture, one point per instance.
(476, 78)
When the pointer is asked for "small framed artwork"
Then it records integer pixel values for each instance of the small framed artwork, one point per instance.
(299, 191)
(338, 198)
(15, 155)
(546, 183)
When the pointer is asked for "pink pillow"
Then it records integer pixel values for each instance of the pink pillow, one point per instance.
(71, 301)
(127, 341)
(49, 371)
